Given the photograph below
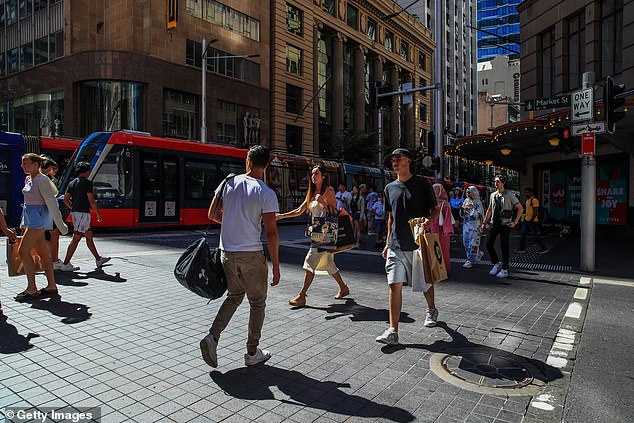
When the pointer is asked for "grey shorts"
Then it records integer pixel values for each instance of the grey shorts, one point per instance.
(398, 266)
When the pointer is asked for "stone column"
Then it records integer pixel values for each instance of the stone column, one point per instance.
(395, 116)
(337, 69)
(316, 28)
(359, 89)
(377, 69)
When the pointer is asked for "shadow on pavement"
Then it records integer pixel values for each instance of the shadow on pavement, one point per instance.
(359, 313)
(303, 391)
(71, 312)
(11, 341)
(72, 278)
(460, 344)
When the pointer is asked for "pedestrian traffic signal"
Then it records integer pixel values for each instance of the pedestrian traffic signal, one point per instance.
(566, 142)
(383, 102)
(611, 104)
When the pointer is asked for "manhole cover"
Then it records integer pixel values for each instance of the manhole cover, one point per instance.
(488, 373)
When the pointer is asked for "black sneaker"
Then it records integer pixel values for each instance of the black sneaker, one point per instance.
(544, 251)
(520, 250)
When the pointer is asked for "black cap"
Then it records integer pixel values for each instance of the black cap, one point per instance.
(387, 162)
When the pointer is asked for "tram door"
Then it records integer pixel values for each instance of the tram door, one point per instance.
(159, 189)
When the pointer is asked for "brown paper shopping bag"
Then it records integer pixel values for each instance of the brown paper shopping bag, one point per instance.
(431, 252)
(14, 261)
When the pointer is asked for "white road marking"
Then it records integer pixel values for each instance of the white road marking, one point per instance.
(581, 294)
(614, 282)
(574, 310)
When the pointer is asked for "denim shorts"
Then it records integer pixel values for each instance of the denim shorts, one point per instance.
(379, 225)
(37, 217)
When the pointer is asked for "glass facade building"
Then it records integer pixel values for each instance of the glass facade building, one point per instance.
(500, 20)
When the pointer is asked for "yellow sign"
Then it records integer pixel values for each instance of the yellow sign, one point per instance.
(172, 13)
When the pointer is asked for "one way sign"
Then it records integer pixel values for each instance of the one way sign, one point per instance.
(582, 105)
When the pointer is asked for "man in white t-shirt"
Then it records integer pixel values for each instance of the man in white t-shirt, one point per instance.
(245, 203)
(343, 198)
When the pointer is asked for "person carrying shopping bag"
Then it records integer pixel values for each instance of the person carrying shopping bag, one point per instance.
(40, 211)
(443, 225)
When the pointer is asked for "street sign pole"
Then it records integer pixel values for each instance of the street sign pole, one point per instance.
(588, 199)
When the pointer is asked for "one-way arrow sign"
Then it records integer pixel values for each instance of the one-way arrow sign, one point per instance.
(582, 105)
(595, 127)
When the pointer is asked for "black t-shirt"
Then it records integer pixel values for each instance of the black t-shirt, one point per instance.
(407, 200)
(78, 188)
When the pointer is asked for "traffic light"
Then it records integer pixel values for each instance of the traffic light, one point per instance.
(566, 142)
(382, 102)
(611, 104)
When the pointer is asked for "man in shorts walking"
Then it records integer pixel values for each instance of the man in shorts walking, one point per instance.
(245, 204)
(408, 197)
(79, 198)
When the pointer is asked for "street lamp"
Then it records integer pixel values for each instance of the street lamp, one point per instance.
(203, 120)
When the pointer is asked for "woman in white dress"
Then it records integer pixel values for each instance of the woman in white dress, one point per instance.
(319, 198)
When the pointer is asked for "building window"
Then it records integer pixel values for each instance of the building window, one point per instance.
(293, 19)
(12, 59)
(26, 56)
(404, 50)
(2, 70)
(422, 112)
(329, 6)
(226, 125)
(224, 16)
(41, 51)
(576, 49)
(201, 179)
(294, 139)
(548, 62)
(352, 16)
(371, 29)
(180, 114)
(223, 63)
(293, 60)
(422, 61)
(388, 43)
(611, 37)
(38, 114)
(422, 82)
(293, 99)
(111, 105)
(57, 45)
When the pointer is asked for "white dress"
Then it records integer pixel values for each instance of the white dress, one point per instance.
(320, 263)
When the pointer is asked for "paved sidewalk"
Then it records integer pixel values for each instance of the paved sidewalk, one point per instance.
(125, 338)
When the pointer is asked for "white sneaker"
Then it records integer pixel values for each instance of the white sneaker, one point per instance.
(389, 337)
(260, 356)
(208, 347)
(467, 265)
(57, 265)
(480, 254)
(68, 267)
(495, 269)
(504, 273)
(101, 261)
(431, 318)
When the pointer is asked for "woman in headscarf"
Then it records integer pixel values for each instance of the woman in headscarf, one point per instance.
(442, 225)
(473, 213)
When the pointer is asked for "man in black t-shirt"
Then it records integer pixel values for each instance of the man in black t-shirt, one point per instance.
(408, 197)
(79, 198)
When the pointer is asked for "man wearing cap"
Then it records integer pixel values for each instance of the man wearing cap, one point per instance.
(408, 197)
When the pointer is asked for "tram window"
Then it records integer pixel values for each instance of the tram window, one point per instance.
(228, 168)
(111, 180)
(200, 180)
(170, 179)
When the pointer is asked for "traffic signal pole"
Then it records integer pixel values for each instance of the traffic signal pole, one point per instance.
(588, 200)
(439, 99)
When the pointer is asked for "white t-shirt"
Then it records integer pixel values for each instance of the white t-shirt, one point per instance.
(377, 208)
(343, 200)
(244, 201)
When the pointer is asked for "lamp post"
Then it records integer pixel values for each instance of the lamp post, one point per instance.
(203, 126)
(203, 120)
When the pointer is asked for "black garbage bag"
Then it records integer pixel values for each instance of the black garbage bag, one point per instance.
(200, 270)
